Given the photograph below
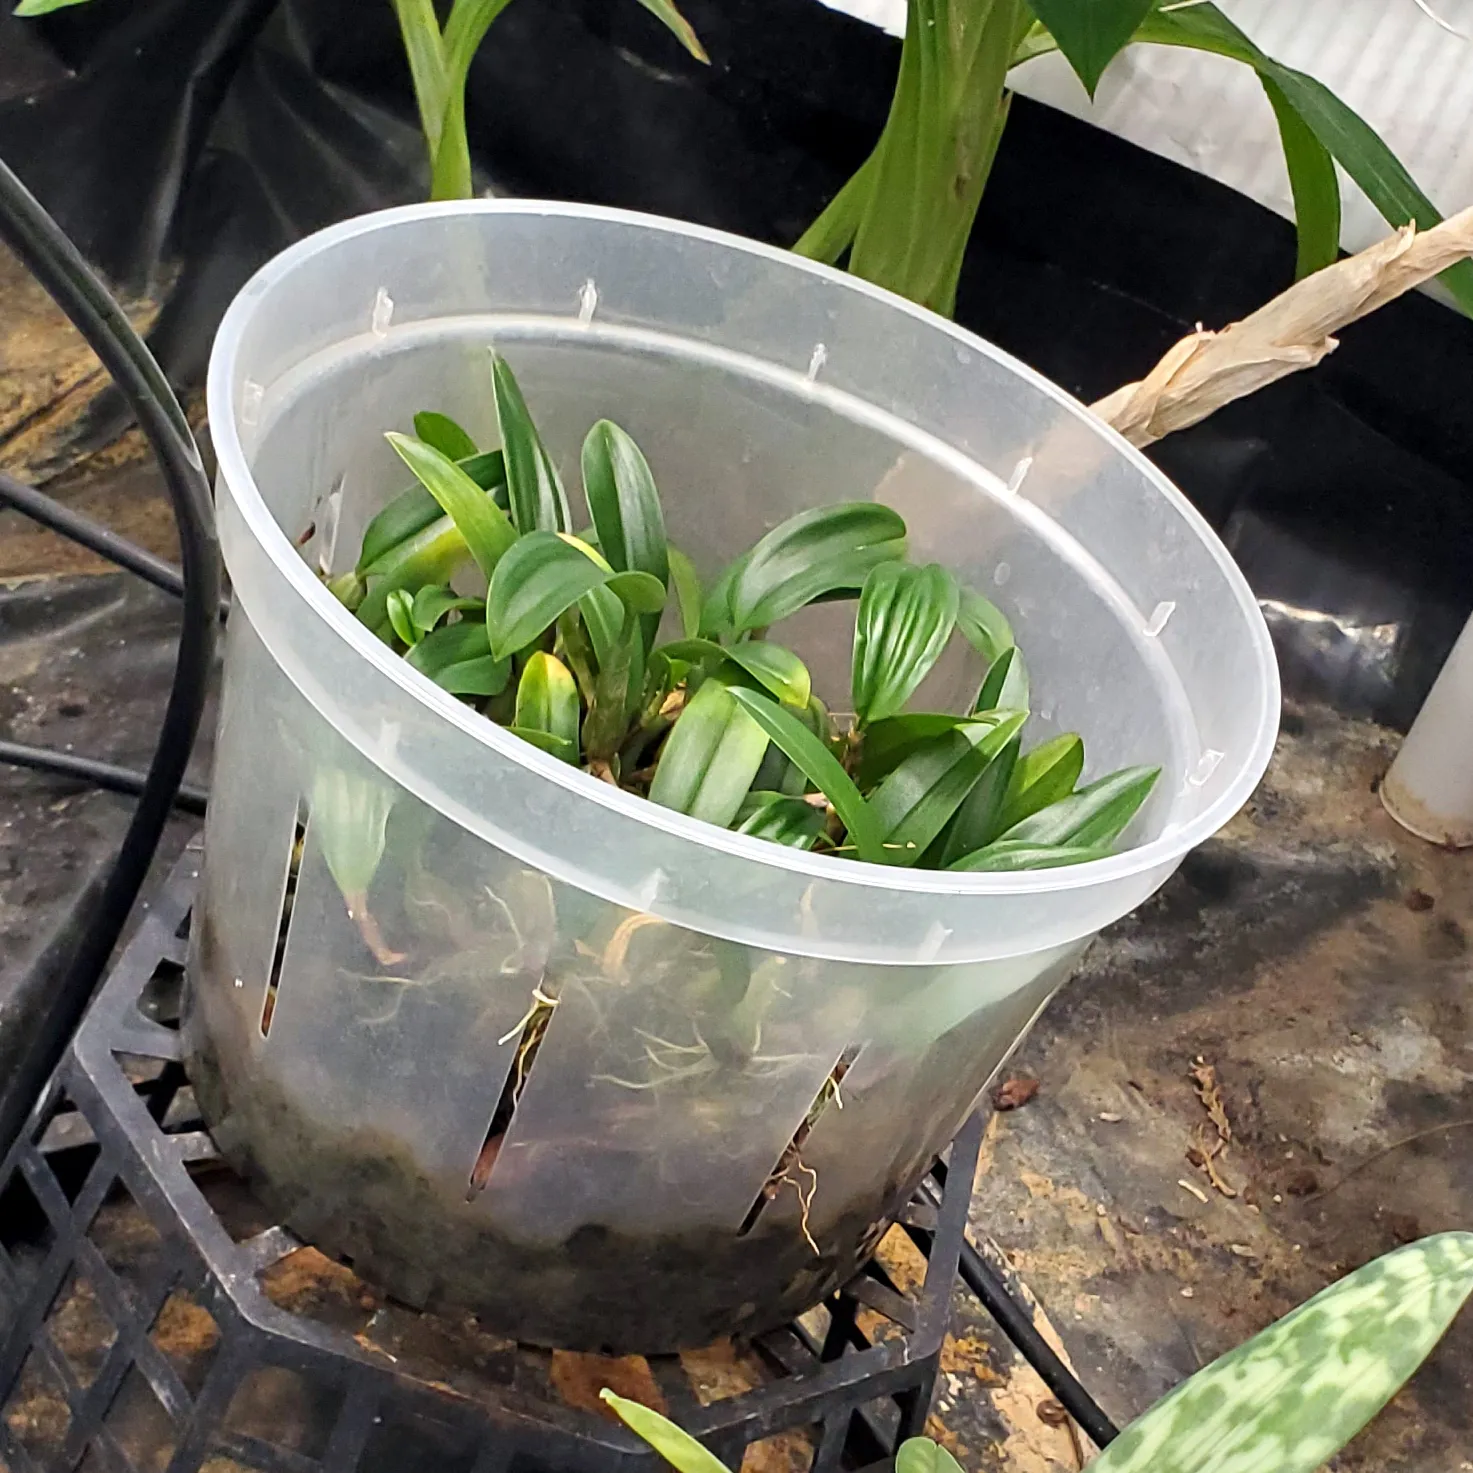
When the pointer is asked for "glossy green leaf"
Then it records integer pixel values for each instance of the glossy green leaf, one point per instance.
(544, 741)
(687, 588)
(1095, 815)
(983, 625)
(1299, 1391)
(716, 615)
(678, 25)
(820, 767)
(429, 557)
(455, 657)
(414, 509)
(1041, 777)
(434, 601)
(603, 617)
(641, 593)
(547, 701)
(442, 432)
(781, 819)
(1313, 182)
(31, 8)
(778, 772)
(1007, 856)
(905, 618)
(710, 757)
(541, 576)
(487, 532)
(678, 1448)
(976, 823)
(534, 489)
(1350, 140)
(775, 668)
(1005, 686)
(616, 690)
(1091, 33)
(400, 609)
(889, 742)
(624, 503)
(922, 1455)
(918, 799)
(826, 549)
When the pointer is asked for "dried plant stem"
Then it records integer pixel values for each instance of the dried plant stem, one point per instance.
(1207, 370)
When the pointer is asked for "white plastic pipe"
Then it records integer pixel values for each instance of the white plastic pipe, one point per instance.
(1429, 789)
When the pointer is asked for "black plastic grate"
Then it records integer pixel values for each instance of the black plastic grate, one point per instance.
(156, 1321)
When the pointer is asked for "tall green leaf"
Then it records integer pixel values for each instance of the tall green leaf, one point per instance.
(1313, 182)
(976, 822)
(1295, 1394)
(541, 576)
(1008, 856)
(710, 757)
(678, 1448)
(483, 524)
(1095, 815)
(444, 434)
(547, 701)
(1091, 33)
(1005, 686)
(687, 589)
(905, 618)
(826, 549)
(680, 27)
(1343, 133)
(1042, 776)
(889, 742)
(821, 768)
(534, 489)
(414, 508)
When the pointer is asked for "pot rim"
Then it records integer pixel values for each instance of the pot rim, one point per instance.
(1158, 854)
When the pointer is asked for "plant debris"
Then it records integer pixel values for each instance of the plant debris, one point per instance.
(1014, 1093)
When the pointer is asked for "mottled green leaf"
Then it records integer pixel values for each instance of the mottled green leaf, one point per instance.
(542, 575)
(534, 489)
(976, 822)
(624, 503)
(781, 819)
(442, 432)
(904, 620)
(1041, 777)
(483, 524)
(826, 549)
(889, 742)
(1008, 856)
(678, 1448)
(1094, 816)
(547, 701)
(710, 757)
(820, 767)
(1295, 1394)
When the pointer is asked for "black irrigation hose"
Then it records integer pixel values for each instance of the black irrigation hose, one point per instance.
(59, 267)
(104, 775)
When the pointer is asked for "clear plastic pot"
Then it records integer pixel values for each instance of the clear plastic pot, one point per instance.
(679, 1163)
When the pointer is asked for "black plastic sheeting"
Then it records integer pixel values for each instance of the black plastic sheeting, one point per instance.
(182, 143)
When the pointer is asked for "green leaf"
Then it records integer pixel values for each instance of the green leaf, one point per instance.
(603, 618)
(1350, 140)
(544, 741)
(983, 626)
(716, 616)
(917, 800)
(687, 591)
(442, 432)
(1007, 856)
(624, 503)
(414, 509)
(616, 690)
(641, 593)
(349, 818)
(456, 659)
(547, 701)
(889, 742)
(976, 821)
(400, 609)
(30, 8)
(1298, 1392)
(782, 819)
(483, 524)
(678, 1448)
(1041, 777)
(921, 1455)
(1005, 686)
(429, 557)
(1315, 185)
(534, 490)
(1090, 33)
(433, 602)
(542, 575)
(1094, 816)
(905, 618)
(821, 551)
(710, 757)
(777, 669)
(682, 29)
(819, 765)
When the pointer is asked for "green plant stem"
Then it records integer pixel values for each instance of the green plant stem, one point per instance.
(420, 29)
